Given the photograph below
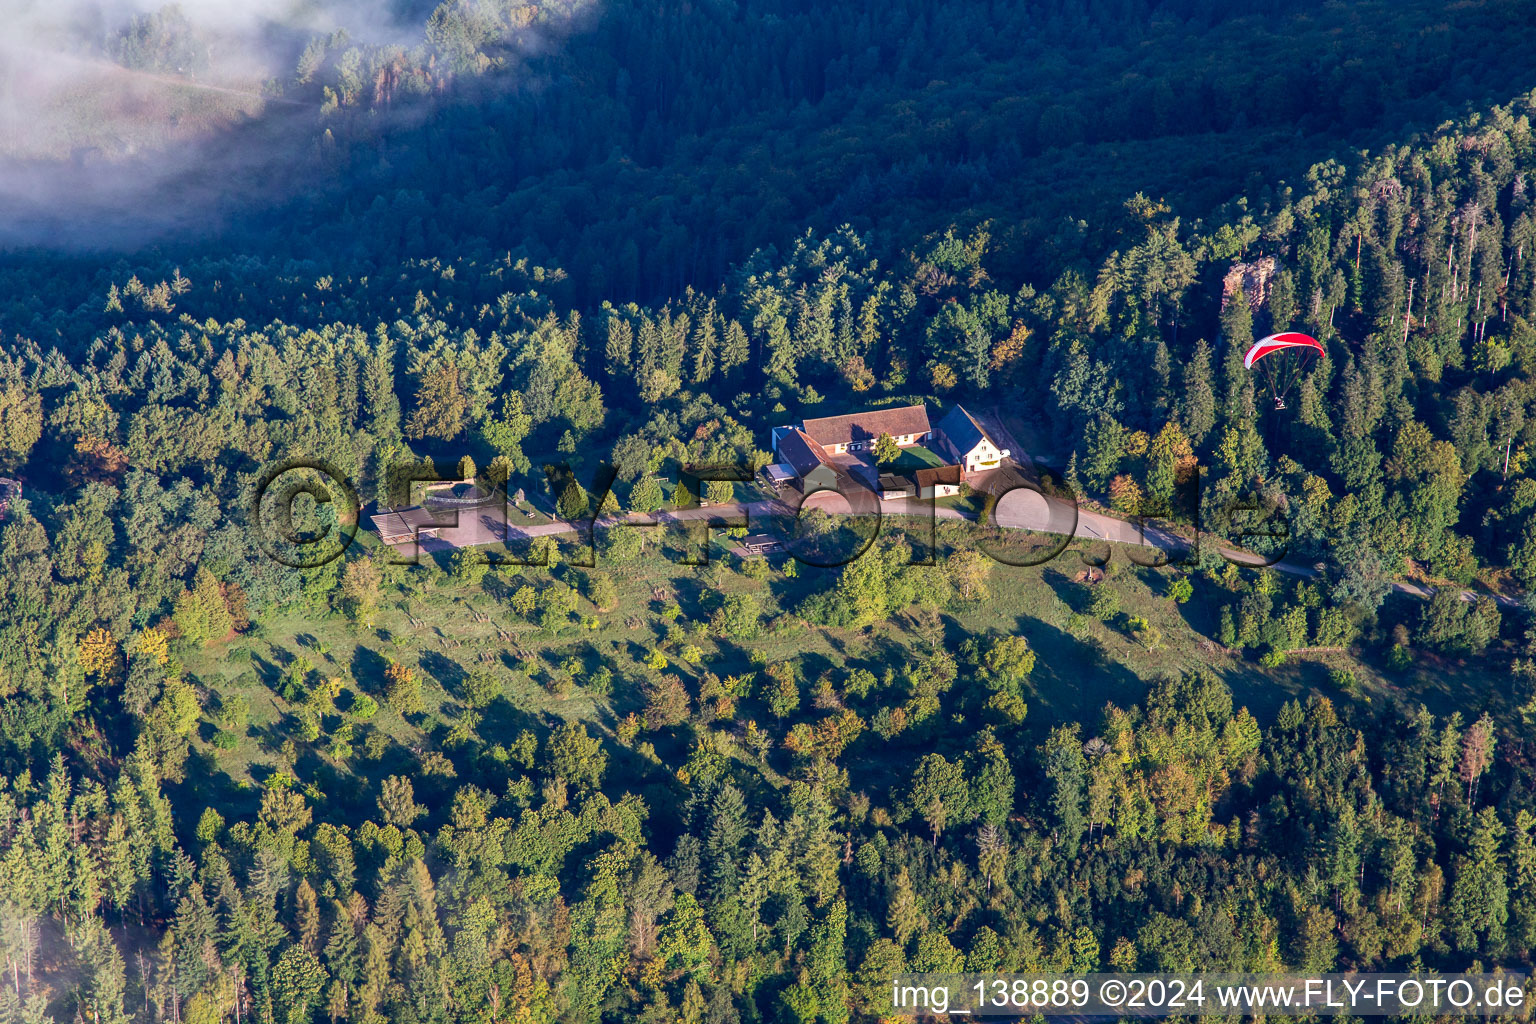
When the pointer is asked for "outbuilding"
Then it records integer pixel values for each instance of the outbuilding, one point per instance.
(405, 525)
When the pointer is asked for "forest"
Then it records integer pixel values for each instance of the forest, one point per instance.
(554, 241)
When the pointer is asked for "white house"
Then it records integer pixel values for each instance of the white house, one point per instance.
(965, 442)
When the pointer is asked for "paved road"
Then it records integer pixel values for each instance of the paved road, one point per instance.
(994, 420)
(1020, 510)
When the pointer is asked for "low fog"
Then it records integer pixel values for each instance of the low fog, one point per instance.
(124, 121)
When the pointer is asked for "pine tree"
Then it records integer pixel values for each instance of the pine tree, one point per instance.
(619, 351)
(903, 915)
(754, 892)
(1479, 907)
(735, 350)
(645, 497)
(306, 915)
(1198, 410)
(1067, 771)
(705, 342)
(727, 832)
(1523, 882)
(441, 404)
(107, 978)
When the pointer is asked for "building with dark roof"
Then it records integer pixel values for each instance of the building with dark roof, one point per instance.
(961, 439)
(760, 544)
(808, 460)
(819, 451)
(405, 525)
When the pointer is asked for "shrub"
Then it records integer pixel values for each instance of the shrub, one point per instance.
(481, 688)
(1006, 708)
(1344, 679)
(1105, 603)
(1146, 634)
(404, 689)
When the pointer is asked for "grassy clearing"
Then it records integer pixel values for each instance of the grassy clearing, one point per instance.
(912, 459)
(444, 629)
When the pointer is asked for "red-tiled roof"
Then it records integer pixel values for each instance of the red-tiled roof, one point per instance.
(938, 475)
(866, 426)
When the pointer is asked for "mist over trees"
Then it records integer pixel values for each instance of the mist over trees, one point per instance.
(653, 147)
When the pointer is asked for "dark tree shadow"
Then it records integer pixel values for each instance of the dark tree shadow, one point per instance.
(368, 667)
(449, 674)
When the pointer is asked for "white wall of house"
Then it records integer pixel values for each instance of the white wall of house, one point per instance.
(902, 440)
(984, 456)
(939, 490)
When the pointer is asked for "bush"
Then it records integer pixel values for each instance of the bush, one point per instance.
(1181, 590)
(481, 688)
(1344, 679)
(225, 740)
(1006, 708)
(404, 689)
(740, 617)
(1146, 634)
(1105, 603)
(364, 707)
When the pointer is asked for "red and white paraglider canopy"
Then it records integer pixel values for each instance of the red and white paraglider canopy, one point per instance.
(1279, 343)
(1284, 372)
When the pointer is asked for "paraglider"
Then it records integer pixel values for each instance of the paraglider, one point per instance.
(1281, 358)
